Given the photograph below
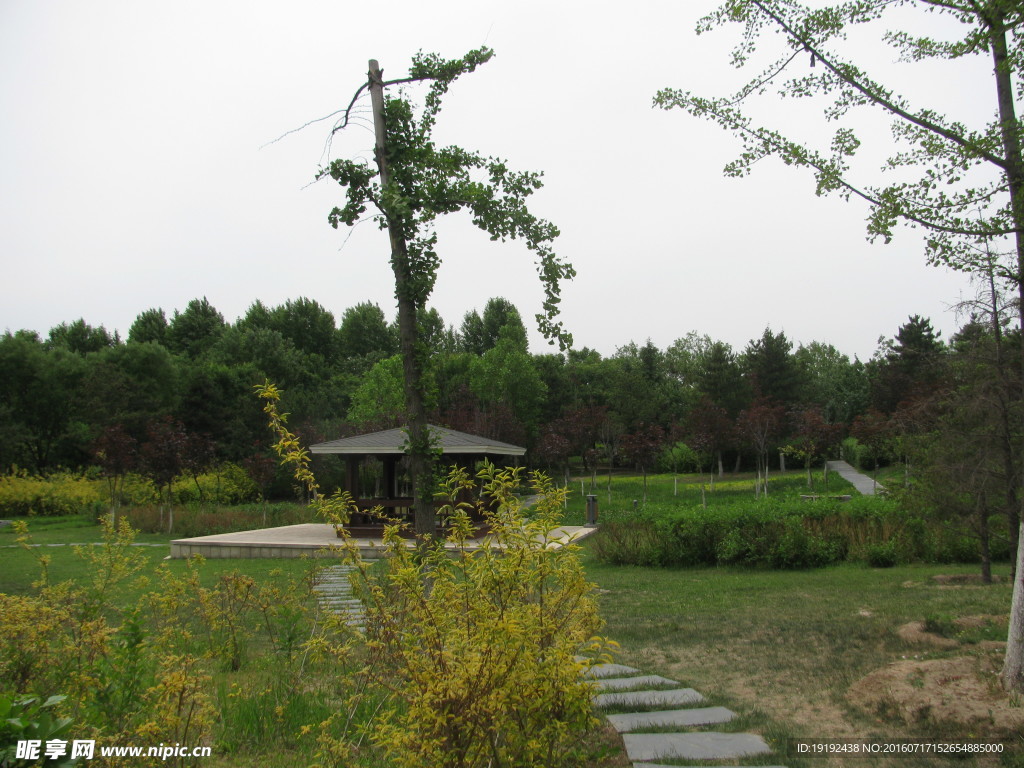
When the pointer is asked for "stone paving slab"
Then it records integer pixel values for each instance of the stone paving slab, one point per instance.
(684, 718)
(624, 683)
(680, 697)
(693, 746)
(610, 670)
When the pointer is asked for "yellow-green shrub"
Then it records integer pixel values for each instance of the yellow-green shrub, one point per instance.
(227, 484)
(480, 644)
(59, 494)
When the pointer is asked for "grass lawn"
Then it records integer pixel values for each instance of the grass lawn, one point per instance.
(782, 648)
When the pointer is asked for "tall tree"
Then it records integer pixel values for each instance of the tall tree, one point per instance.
(364, 333)
(80, 337)
(415, 182)
(773, 371)
(150, 325)
(195, 330)
(960, 183)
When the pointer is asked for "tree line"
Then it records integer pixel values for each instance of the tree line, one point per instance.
(82, 396)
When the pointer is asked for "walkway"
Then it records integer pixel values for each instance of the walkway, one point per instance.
(658, 720)
(334, 593)
(864, 484)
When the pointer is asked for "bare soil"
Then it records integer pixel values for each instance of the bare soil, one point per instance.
(963, 690)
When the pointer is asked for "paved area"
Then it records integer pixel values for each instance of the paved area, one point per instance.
(674, 734)
(334, 593)
(865, 485)
(306, 539)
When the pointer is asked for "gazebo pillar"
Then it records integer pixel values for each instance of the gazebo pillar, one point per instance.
(352, 475)
(389, 476)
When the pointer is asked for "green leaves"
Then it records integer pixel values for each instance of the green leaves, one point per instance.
(963, 175)
(427, 181)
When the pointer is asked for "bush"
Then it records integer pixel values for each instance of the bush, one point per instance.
(785, 534)
(479, 646)
(61, 494)
(882, 555)
(226, 484)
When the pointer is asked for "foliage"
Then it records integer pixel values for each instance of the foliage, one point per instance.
(61, 494)
(781, 531)
(146, 662)
(24, 718)
(415, 183)
(480, 645)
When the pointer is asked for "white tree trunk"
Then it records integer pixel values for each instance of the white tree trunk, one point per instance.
(1013, 666)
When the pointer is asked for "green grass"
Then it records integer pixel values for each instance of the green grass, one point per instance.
(667, 493)
(782, 647)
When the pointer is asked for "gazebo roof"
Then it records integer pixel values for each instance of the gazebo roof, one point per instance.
(393, 441)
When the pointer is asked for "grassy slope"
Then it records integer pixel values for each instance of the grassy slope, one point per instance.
(781, 647)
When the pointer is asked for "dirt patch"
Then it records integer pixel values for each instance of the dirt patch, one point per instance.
(954, 579)
(963, 690)
(915, 633)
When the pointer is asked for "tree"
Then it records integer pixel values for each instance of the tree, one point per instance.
(813, 438)
(364, 334)
(832, 382)
(415, 182)
(195, 330)
(772, 369)
(642, 447)
(80, 337)
(378, 402)
(163, 459)
(116, 452)
(505, 375)
(961, 184)
(150, 325)
(761, 425)
(908, 366)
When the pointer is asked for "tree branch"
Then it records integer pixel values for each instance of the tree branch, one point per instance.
(877, 98)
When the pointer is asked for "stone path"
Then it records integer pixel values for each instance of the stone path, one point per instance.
(334, 593)
(671, 733)
(864, 484)
(84, 544)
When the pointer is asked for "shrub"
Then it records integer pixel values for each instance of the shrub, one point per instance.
(226, 484)
(882, 555)
(480, 645)
(58, 495)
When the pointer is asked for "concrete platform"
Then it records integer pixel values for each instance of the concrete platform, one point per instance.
(307, 539)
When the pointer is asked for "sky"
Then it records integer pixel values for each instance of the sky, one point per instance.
(139, 169)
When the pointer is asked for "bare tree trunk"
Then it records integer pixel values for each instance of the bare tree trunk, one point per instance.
(986, 550)
(421, 455)
(1013, 666)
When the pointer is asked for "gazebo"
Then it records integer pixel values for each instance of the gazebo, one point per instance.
(389, 447)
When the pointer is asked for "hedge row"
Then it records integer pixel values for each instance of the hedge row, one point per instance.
(88, 494)
(789, 535)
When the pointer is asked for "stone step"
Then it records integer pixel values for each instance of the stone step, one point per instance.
(679, 697)
(693, 746)
(609, 670)
(683, 718)
(625, 683)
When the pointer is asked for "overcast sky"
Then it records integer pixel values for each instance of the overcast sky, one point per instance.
(135, 170)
